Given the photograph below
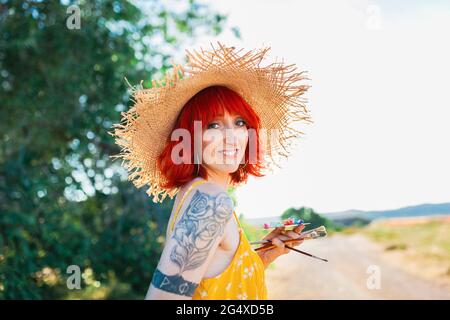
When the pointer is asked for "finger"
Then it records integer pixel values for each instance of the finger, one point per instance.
(299, 228)
(287, 235)
(296, 243)
(279, 245)
(274, 233)
(292, 234)
(282, 237)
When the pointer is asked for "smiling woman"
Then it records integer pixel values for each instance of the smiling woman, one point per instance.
(208, 107)
(225, 104)
(205, 245)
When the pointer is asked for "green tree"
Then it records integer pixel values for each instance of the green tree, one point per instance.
(309, 215)
(62, 201)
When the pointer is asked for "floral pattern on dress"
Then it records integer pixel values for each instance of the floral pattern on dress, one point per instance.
(243, 279)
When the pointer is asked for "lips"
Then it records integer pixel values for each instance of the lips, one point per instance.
(230, 152)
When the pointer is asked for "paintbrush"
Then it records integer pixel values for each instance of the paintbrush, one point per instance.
(318, 232)
(310, 234)
(306, 253)
(291, 248)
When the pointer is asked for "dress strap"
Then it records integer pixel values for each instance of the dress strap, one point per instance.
(239, 223)
(195, 183)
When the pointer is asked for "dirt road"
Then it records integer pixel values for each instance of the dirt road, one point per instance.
(345, 276)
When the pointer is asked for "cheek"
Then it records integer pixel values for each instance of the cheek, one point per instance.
(210, 142)
(243, 137)
(210, 145)
(212, 137)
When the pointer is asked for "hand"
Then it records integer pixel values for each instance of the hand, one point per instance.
(277, 236)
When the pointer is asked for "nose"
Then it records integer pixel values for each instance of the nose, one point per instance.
(231, 135)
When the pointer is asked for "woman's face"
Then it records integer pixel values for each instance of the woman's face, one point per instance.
(224, 140)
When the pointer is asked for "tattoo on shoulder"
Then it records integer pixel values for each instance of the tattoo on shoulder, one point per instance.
(173, 284)
(201, 224)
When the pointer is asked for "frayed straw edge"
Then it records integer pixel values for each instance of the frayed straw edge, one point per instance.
(123, 132)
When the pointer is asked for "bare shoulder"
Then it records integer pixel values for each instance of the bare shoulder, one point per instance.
(207, 205)
(207, 198)
(210, 196)
(210, 188)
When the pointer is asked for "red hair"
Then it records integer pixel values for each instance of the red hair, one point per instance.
(205, 106)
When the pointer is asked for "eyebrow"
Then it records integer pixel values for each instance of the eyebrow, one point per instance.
(221, 115)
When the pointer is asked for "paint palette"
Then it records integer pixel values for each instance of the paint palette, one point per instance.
(289, 222)
(319, 232)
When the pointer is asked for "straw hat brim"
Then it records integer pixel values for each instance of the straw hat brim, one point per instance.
(274, 92)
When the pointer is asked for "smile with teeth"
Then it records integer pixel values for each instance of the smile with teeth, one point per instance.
(230, 152)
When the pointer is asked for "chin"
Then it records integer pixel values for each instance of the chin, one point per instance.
(226, 168)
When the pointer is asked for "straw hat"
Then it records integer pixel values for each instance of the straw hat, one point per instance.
(273, 91)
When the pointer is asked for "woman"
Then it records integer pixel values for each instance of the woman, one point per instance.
(197, 136)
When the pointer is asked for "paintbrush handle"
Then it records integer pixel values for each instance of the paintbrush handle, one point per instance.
(306, 253)
(285, 241)
(291, 248)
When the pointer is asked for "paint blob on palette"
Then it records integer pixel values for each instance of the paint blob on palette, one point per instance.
(289, 222)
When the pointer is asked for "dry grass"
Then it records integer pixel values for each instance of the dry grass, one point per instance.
(422, 246)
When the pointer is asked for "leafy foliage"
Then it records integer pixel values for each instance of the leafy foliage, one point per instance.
(309, 215)
(62, 200)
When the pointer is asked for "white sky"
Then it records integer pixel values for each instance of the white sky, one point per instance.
(380, 100)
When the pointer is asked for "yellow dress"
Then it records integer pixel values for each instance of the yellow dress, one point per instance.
(243, 279)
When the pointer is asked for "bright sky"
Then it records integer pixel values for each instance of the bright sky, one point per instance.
(380, 102)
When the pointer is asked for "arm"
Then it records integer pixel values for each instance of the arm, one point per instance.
(192, 244)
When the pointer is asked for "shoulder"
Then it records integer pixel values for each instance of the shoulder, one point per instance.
(205, 213)
(213, 191)
(208, 196)
(210, 188)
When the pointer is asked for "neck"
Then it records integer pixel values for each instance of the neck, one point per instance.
(219, 178)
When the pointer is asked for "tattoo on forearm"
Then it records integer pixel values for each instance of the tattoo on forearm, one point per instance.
(201, 224)
(173, 284)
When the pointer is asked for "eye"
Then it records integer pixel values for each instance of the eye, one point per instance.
(241, 122)
(213, 125)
